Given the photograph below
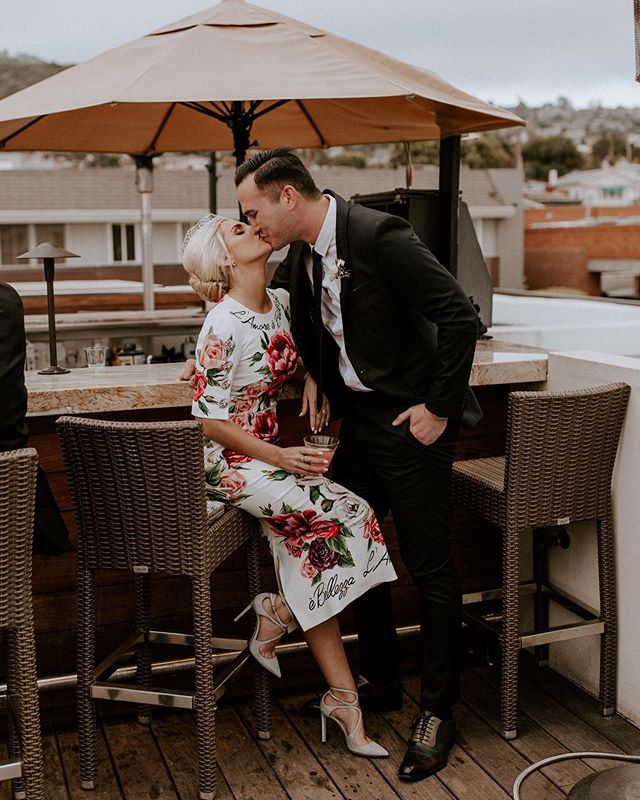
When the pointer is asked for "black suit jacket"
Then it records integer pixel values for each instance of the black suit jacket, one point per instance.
(409, 329)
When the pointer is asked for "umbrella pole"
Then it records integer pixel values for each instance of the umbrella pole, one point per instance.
(448, 193)
(144, 182)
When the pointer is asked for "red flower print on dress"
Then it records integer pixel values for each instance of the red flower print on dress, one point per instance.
(199, 385)
(321, 557)
(294, 525)
(281, 354)
(265, 425)
(212, 355)
(326, 528)
(233, 459)
(241, 420)
(372, 530)
(255, 390)
(243, 405)
(232, 482)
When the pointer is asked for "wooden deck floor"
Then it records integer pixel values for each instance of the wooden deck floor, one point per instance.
(159, 762)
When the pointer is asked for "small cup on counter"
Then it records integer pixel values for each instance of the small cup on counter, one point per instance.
(96, 356)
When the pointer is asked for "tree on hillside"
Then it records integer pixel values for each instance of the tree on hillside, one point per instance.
(610, 146)
(487, 151)
(543, 153)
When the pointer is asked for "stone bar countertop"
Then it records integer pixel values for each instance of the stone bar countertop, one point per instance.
(84, 391)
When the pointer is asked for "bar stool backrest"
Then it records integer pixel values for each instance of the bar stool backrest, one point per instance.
(561, 448)
(139, 494)
(17, 504)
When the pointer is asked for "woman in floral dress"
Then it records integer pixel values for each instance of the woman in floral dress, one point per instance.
(326, 543)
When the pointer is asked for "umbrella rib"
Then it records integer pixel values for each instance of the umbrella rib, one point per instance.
(161, 127)
(20, 130)
(221, 109)
(303, 108)
(202, 110)
(272, 107)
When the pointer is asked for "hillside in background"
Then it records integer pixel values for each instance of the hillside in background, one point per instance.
(18, 72)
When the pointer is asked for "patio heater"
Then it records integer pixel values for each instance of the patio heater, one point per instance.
(48, 253)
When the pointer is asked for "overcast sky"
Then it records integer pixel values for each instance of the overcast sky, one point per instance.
(499, 50)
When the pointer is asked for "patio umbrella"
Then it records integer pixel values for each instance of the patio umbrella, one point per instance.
(233, 76)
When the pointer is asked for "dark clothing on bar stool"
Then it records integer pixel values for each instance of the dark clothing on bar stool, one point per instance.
(409, 334)
(50, 535)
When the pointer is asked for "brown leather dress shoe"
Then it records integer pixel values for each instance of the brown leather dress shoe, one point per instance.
(429, 746)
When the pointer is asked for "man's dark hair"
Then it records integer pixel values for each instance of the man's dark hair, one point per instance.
(275, 168)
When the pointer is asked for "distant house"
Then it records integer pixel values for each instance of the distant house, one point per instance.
(95, 212)
(608, 186)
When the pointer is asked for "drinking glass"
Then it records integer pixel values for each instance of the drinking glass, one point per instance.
(96, 356)
(326, 443)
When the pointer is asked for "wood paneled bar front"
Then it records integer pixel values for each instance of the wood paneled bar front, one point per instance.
(154, 392)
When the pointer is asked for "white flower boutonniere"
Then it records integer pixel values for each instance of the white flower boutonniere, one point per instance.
(340, 270)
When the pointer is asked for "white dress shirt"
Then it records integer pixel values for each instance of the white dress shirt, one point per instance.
(331, 312)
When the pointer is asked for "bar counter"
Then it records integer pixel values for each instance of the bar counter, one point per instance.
(154, 392)
(84, 391)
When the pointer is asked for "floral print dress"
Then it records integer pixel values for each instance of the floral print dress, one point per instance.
(326, 542)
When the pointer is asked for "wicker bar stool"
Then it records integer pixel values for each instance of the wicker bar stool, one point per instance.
(17, 504)
(140, 503)
(560, 452)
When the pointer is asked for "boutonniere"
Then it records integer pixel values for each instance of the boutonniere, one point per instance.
(340, 270)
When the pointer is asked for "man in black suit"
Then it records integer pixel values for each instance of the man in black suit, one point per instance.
(388, 335)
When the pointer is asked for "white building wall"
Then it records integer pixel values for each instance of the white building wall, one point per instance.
(164, 243)
(89, 241)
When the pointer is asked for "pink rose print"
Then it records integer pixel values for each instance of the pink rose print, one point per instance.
(265, 425)
(295, 545)
(255, 390)
(372, 530)
(243, 405)
(307, 570)
(281, 354)
(232, 482)
(325, 529)
(241, 420)
(233, 459)
(199, 385)
(212, 355)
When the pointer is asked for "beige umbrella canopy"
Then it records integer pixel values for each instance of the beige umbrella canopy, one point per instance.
(233, 76)
(233, 73)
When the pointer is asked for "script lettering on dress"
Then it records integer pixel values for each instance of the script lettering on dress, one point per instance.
(334, 587)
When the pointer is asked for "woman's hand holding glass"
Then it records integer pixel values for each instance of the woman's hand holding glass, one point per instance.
(303, 460)
(317, 419)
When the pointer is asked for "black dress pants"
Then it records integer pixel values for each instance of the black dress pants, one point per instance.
(393, 471)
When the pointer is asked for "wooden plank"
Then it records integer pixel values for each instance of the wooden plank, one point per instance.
(574, 734)
(496, 756)
(175, 735)
(298, 771)
(462, 776)
(107, 787)
(53, 771)
(617, 730)
(356, 777)
(137, 761)
(533, 742)
(241, 762)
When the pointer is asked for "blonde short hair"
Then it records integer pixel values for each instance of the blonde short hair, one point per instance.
(203, 255)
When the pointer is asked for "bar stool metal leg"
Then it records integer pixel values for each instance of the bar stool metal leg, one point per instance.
(205, 704)
(143, 651)
(261, 677)
(510, 637)
(608, 640)
(86, 672)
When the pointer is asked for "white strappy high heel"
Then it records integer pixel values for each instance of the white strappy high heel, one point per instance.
(270, 664)
(369, 750)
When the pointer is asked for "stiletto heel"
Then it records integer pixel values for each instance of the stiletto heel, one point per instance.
(270, 664)
(369, 750)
